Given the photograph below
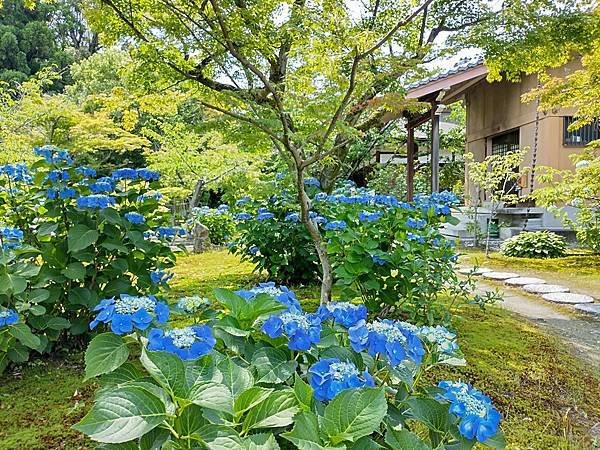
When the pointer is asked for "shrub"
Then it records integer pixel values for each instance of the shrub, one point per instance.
(219, 221)
(70, 239)
(538, 244)
(259, 375)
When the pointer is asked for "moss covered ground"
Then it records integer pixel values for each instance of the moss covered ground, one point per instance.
(549, 400)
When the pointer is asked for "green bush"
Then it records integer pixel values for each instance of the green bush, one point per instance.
(219, 221)
(538, 244)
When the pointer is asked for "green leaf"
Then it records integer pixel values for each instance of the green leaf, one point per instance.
(155, 439)
(57, 323)
(497, 441)
(38, 295)
(124, 373)
(273, 365)
(122, 415)
(277, 410)
(234, 303)
(404, 440)
(201, 369)
(167, 369)
(261, 441)
(305, 434)
(190, 420)
(211, 395)
(430, 412)
(105, 353)
(250, 398)
(80, 237)
(354, 413)
(18, 353)
(46, 228)
(23, 334)
(303, 392)
(12, 284)
(260, 305)
(365, 443)
(74, 271)
(220, 437)
(235, 377)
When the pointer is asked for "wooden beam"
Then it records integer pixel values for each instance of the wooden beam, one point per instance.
(435, 149)
(410, 163)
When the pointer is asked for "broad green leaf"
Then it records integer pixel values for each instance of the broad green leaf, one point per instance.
(234, 303)
(18, 353)
(105, 353)
(277, 410)
(354, 413)
(155, 439)
(167, 369)
(122, 415)
(260, 305)
(261, 441)
(273, 365)
(74, 271)
(12, 284)
(23, 334)
(80, 237)
(404, 440)
(38, 295)
(305, 434)
(250, 398)
(303, 392)
(201, 369)
(497, 441)
(190, 420)
(365, 443)
(58, 323)
(211, 395)
(220, 437)
(430, 412)
(124, 373)
(235, 377)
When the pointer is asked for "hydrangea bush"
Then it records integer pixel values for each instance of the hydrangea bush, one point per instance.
(261, 373)
(535, 244)
(219, 221)
(70, 238)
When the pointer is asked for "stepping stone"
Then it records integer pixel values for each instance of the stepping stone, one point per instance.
(522, 281)
(565, 297)
(500, 275)
(545, 288)
(476, 271)
(594, 309)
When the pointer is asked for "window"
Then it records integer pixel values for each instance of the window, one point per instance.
(505, 143)
(581, 136)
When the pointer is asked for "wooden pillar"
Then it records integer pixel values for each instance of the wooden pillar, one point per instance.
(410, 163)
(435, 149)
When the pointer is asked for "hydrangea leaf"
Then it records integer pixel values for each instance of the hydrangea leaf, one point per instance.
(168, 371)
(250, 398)
(366, 443)
(273, 365)
(18, 353)
(405, 439)
(190, 420)
(201, 369)
(12, 284)
(154, 439)
(123, 414)
(235, 377)
(430, 412)
(23, 334)
(211, 395)
(305, 434)
(74, 271)
(220, 437)
(277, 410)
(234, 303)
(354, 413)
(81, 237)
(303, 392)
(261, 441)
(497, 441)
(106, 352)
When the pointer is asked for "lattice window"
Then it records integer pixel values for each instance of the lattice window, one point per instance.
(581, 136)
(505, 143)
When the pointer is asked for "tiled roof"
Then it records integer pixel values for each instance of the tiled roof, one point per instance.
(461, 66)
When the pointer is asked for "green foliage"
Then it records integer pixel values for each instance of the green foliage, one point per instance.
(538, 244)
(220, 223)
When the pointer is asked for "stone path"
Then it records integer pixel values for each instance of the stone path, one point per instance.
(573, 317)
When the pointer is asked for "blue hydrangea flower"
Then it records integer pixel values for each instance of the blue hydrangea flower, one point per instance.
(135, 218)
(292, 217)
(321, 196)
(169, 232)
(191, 305)
(8, 317)
(378, 260)
(125, 173)
(265, 215)
(415, 223)
(86, 172)
(242, 216)
(343, 313)
(439, 336)
(101, 187)
(243, 200)
(160, 276)
(312, 182)
(11, 237)
(335, 225)
(150, 196)
(302, 329)
(56, 176)
(51, 193)
(128, 312)
(328, 377)
(415, 238)
(96, 201)
(53, 155)
(66, 193)
(223, 207)
(479, 419)
(366, 216)
(16, 172)
(187, 343)
(279, 176)
(391, 339)
(320, 219)
(147, 174)
(282, 294)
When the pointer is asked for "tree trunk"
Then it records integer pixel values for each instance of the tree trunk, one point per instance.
(196, 194)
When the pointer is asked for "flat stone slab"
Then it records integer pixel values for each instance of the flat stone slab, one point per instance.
(474, 271)
(591, 308)
(522, 281)
(500, 275)
(567, 297)
(545, 288)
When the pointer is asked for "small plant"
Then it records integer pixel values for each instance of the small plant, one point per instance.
(219, 221)
(538, 244)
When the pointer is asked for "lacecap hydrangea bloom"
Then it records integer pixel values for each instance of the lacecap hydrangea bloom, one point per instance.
(97, 201)
(149, 196)
(242, 216)
(282, 294)
(126, 173)
(101, 187)
(160, 276)
(16, 172)
(53, 155)
(147, 174)
(11, 237)
(135, 218)
(8, 317)
(193, 304)
(366, 216)
(415, 223)
(302, 329)
(335, 225)
(439, 336)
(312, 182)
(129, 312)
(187, 343)
(343, 313)
(169, 232)
(86, 172)
(478, 417)
(328, 377)
(393, 340)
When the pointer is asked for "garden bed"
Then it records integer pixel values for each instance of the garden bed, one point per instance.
(547, 398)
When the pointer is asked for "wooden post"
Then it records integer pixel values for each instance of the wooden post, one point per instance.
(435, 149)
(410, 162)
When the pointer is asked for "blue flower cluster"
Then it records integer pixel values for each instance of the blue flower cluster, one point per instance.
(56, 176)
(16, 172)
(8, 317)
(53, 155)
(86, 172)
(312, 182)
(242, 201)
(292, 217)
(439, 336)
(415, 223)
(439, 201)
(128, 173)
(187, 343)
(169, 232)
(343, 313)
(415, 238)
(128, 312)
(157, 196)
(366, 216)
(335, 225)
(393, 340)
(102, 187)
(243, 216)
(11, 237)
(328, 377)
(96, 201)
(191, 305)
(302, 329)
(264, 214)
(160, 276)
(378, 260)
(206, 211)
(135, 218)
(478, 417)
(280, 293)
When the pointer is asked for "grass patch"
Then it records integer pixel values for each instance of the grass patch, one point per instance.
(548, 400)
